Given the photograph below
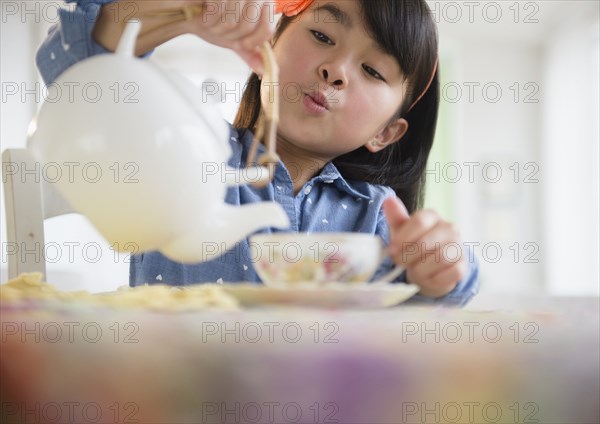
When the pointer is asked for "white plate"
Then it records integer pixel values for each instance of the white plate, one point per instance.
(330, 296)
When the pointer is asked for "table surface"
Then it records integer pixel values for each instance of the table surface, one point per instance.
(502, 360)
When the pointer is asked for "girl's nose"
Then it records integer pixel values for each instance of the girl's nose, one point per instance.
(334, 76)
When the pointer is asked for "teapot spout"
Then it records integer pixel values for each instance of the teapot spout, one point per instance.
(230, 225)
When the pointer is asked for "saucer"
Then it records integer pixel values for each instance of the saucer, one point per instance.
(333, 295)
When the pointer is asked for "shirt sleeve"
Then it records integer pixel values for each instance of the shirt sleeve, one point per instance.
(70, 41)
(464, 291)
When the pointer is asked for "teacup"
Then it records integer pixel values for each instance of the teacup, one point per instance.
(302, 259)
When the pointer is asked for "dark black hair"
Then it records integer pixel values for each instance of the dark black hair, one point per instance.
(404, 29)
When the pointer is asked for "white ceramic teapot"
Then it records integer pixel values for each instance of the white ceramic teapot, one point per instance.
(144, 157)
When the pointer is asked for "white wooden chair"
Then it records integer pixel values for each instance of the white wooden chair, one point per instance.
(28, 199)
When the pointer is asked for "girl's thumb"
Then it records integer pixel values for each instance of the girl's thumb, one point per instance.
(395, 211)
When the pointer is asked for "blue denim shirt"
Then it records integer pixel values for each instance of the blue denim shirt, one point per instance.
(326, 203)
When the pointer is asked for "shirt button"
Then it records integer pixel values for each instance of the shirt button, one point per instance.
(307, 190)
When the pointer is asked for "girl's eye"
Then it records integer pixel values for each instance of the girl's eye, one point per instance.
(373, 73)
(322, 37)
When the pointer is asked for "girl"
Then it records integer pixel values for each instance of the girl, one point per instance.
(353, 139)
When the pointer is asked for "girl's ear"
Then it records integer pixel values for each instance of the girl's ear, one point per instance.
(392, 133)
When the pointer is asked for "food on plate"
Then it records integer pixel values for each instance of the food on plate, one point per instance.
(31, 287)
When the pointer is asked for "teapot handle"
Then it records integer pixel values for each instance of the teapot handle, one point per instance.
(269, 118)
(126, 46)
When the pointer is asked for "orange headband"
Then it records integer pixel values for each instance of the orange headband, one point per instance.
(294, 7)
(435, 65)
(291, 7)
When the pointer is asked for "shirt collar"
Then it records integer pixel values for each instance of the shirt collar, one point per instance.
(331, 175)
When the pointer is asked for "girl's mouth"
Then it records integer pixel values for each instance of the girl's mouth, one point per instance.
(315, 103)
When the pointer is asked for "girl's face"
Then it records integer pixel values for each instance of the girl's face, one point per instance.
(338, 90)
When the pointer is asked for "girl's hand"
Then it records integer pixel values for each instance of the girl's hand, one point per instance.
(419, 243)
(241, 25)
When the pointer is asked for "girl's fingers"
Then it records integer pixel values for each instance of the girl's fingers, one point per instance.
(235, 20)
(442, 282)
(253, 58)
(241, 25)
(442, 243)
(418, 225)
(262, 32)
(443, 231)
(428, 247)
(411, 231)
(437, 246)
(249, 48)
(211, 15)
(433, 262)
(432, 248)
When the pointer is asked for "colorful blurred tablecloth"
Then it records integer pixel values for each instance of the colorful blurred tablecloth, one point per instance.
(75, 363)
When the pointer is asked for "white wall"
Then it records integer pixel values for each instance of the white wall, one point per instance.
(553, 47)
(498, 138)
(570, 156)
